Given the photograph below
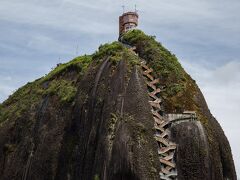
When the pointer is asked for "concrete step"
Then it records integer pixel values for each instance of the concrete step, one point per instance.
(162, 140)
(169, 157)
(148, 71)
(153, 93)
(166, 149)
(168, 163)
(149, 76)
(165, 133)
(144, 66)
(170, 176)
(155, 104)
(156, 114)
(157, 127)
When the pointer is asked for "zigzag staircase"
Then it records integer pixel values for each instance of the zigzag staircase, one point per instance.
(166, 148)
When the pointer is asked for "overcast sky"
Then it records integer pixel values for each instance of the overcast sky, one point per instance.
(35, 35)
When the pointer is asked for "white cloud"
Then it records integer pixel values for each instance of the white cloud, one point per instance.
(6, 86)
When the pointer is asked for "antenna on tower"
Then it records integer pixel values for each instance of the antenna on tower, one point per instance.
(123, 7)
(77, 50)
(135, 8)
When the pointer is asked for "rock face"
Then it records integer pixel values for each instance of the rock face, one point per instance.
(91, 119)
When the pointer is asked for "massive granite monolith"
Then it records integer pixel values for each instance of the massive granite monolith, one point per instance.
(91, 119)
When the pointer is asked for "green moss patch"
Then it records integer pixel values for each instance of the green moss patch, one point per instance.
(79, 64)
(31, 94)
(176, 83)
(113, 50)
(65, 90)
(21, 101)
(159, 58)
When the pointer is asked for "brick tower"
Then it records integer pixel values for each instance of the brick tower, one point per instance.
(127, 21)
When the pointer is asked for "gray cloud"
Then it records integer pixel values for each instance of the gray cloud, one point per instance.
(5, 86)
